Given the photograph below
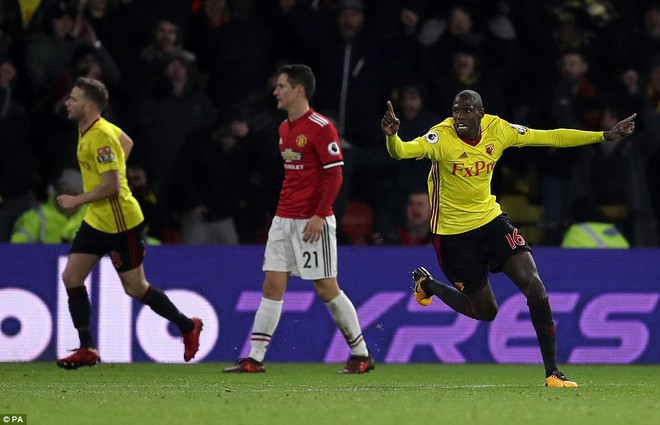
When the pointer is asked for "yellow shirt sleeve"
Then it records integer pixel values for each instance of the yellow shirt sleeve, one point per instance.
(425, 146)
(562, 138)
(519, 136)
(105, 150)
(398, 149)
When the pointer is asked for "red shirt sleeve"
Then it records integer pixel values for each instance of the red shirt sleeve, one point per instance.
(331, 180)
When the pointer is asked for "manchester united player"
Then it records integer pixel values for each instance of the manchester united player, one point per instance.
(471, 234)
(302, 239)
(113, 225)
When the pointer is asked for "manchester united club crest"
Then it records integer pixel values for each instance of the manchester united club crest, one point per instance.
(301, 141)
(490, 149)
(459, 286)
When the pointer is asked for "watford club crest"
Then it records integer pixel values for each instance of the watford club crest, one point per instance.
(490, 149)
(301, 141)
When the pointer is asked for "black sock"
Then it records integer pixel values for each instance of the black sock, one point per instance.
(544, 326)
(455, 299)
(79, 308)
(161, 305)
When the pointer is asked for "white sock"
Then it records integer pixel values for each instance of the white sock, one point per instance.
(347, 321)
(265, 323)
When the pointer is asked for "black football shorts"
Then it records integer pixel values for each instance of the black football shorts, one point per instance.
(467, 258)
(126, 249)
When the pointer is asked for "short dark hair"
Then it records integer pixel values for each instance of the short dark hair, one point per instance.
(300, 75)
(169, 20)
(94, 91)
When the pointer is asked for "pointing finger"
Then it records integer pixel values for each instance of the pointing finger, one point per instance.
(390, 108)
(630, 118)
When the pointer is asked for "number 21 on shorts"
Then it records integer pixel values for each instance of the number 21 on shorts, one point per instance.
(311, 259)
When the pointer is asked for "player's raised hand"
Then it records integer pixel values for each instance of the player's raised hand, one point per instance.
(390, 123)
(621, 130)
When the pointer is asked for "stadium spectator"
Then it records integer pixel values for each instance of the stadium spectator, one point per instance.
(54, 59)
(112, 24)
(174, 107)
(49, 222)
(406, 177)
(350, 69)
(575, 102)
(166, 42)
(290, 22)
(417, 229)
(468, 72)
(17, 166)
(643, 90)
(234, 48)
(491, 38)
(14, 19)
(49, 52)
(155, 215)
(592, 234)
(211, 185)
(256, 119)
(646, 41)
(472, 236)
(442, 37)
(591, 228)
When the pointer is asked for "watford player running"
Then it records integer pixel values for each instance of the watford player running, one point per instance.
(113, 225)
(472, 236)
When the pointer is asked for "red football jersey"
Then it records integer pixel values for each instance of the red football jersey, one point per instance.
(307, 145)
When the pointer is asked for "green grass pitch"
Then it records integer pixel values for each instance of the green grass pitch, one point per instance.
(310, 393)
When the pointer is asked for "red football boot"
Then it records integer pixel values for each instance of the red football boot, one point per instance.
(80, 357)
(191, 339)
(359, 364)
(246, 365)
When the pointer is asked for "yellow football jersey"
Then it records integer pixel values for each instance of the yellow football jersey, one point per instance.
(99, 150)
(461, 174)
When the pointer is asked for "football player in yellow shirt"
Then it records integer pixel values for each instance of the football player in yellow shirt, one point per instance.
(113, 224)
(472, 236)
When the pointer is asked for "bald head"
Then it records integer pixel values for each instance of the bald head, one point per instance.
(471, 96)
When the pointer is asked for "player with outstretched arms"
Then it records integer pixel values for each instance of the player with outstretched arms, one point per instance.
(472, 236)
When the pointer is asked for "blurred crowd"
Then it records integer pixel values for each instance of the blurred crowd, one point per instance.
(191, 82)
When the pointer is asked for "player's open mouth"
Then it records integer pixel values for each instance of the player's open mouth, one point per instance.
(461, 126)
